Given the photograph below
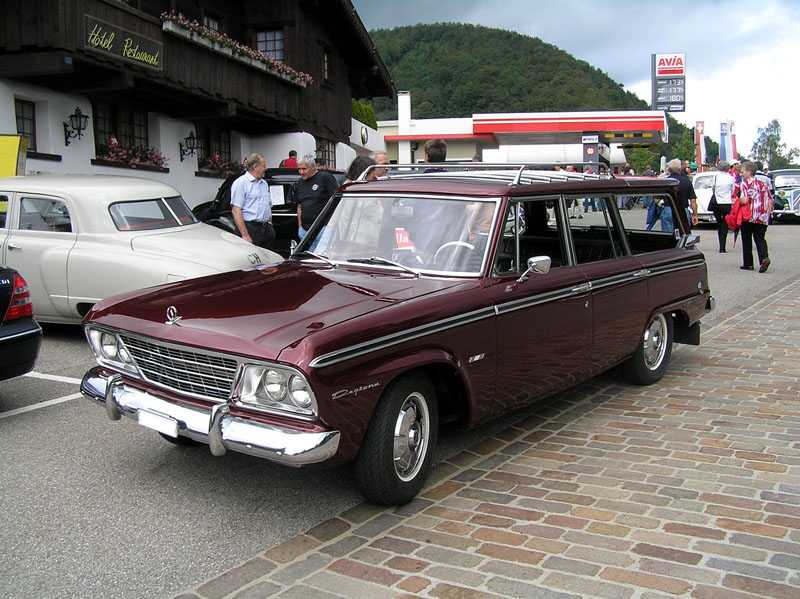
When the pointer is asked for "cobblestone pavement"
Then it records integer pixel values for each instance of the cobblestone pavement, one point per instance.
(687, 488)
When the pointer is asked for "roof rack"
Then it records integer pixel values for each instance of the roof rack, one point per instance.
(513, 173)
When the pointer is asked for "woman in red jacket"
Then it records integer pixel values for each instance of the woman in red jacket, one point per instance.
(755, 195)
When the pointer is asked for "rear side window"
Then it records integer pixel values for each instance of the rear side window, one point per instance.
(595, 234)
(44, 214)
(3, 211)
(144, 215)
(648, 222)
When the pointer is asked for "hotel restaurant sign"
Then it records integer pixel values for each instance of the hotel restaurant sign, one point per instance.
(111, 40)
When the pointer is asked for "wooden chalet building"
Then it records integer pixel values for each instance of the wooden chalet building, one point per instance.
(170, 74)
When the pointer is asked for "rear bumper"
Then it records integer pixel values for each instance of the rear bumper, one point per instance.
(19, 347)
(216, 427)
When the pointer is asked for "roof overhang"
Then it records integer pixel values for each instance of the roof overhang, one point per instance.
(639, 127)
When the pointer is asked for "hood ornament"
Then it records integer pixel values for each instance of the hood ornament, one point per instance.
(172, 315)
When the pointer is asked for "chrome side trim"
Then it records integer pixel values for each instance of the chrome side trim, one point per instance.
(660, 270)
(361, 349)
(216, 427)
(367, 347)
(542, 298)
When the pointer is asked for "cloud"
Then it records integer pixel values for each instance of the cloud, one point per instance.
(740, 57)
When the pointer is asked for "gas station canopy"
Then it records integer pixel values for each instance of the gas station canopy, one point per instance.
(637, 127)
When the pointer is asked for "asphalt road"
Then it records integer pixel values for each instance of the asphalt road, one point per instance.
(94, 508)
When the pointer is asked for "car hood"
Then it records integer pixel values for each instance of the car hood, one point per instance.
(261, 311)
(190, 244)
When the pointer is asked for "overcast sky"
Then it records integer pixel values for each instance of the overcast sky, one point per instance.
(742, 57)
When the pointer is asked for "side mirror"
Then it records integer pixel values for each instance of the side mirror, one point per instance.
(539, 265)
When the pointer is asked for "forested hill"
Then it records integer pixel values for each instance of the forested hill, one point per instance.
(457, 70)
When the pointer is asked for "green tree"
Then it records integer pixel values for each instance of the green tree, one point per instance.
(685, 148)
(640, 158)
(769, 149)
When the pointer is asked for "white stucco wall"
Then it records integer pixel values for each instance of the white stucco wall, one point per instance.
(165, 133)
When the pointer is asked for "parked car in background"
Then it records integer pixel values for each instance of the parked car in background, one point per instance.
(412, 301)
(281, 182)
(786, 199)
(20, 335)
(703, 184)
(80, 238)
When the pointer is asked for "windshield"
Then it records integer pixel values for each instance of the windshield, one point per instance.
(422, 234)
(158, 213)
(787, 180)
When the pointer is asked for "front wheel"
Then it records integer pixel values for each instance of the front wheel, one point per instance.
(398, 447)
(648, 364)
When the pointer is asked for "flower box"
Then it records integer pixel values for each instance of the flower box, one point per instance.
(195, 33)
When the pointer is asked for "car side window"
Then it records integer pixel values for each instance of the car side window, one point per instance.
(530, 228)
(595, 234)
(3, 211)
(647, 225)
(44, 214)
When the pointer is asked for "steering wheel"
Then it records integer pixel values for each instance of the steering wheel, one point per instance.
(453, 244)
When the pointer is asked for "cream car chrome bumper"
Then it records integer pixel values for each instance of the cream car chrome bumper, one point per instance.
(215, 427)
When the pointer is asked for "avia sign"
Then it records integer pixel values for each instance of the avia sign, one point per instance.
(670, 65)
(669, 82)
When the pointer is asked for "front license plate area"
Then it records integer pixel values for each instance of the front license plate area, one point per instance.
(157, 422)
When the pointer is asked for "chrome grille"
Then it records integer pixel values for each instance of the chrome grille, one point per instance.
(182, 370)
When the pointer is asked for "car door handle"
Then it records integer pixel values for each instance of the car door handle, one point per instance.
(582, 288)
(11, 246)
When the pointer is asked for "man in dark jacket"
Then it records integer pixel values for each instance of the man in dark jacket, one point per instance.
(686, 196)
(313, 191)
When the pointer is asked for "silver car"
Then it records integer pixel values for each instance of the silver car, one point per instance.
(786, 199)
(82, 238)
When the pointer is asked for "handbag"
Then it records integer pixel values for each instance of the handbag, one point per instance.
(712, 203)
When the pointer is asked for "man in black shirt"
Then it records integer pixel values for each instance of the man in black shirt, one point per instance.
(685, 191)
(314, 189)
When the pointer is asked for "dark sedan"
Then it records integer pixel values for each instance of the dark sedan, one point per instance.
(20, 335)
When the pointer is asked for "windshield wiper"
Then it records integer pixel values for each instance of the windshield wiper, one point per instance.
(317, 256)
(378, 260)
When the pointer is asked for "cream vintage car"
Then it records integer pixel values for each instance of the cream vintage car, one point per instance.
(82, 238)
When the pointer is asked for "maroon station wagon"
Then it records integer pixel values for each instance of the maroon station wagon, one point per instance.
(413, 300)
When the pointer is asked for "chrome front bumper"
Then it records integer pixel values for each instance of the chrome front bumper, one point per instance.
(215, 427)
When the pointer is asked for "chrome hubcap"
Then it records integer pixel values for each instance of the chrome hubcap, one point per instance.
(411, 436)
(654, 342)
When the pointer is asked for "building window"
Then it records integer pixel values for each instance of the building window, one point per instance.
(126, 125)
(26, 121)
(211, 23)
(212, 141)
(270, 42)
(326, 153)
(326, 64)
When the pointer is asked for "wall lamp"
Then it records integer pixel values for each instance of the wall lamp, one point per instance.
(190, 147)
(76, 126)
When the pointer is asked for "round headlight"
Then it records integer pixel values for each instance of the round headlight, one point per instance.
(275, 384)
(108, 345)
(298, 389)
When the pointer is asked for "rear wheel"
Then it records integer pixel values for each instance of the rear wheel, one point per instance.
(397, 450)
(648, 364)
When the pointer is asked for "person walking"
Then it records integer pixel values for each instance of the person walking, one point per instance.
(723, 190)
(755, 195)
